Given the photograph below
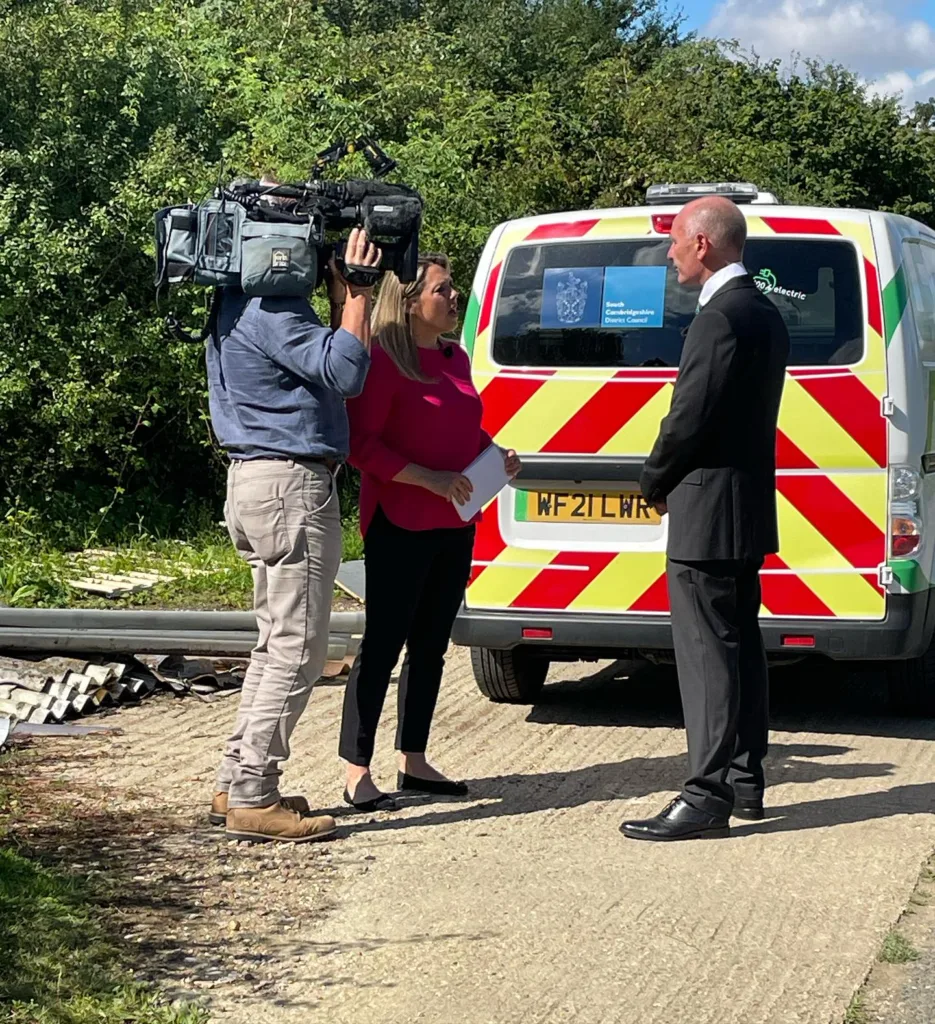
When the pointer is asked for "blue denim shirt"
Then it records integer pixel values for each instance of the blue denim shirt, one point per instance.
(277, 379)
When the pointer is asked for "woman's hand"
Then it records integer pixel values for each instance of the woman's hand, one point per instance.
(454, 487)
(511, 463)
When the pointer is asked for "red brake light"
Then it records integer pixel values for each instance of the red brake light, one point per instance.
(536, 634)
(798, 641)
(662, 223)
(905, 535)
(904, 546)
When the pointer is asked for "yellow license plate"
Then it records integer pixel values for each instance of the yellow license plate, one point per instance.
(621, 507)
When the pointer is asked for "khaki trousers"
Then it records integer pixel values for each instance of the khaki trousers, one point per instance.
(284, 519)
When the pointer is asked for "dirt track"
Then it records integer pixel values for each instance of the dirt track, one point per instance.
(523, 904)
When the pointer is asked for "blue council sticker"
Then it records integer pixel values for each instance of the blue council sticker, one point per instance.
(634, 297)
(571, 297)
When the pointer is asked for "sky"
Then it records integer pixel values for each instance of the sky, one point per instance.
(890, 44)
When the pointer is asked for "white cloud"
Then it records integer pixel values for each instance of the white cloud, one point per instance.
(908, 88)
(884, 45)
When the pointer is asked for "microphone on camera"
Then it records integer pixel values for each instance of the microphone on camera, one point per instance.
(446, 349)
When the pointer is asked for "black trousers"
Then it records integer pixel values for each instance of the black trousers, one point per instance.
(415, 582)
(723, 678)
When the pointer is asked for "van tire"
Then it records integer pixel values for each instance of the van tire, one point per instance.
(910, 685)
(509, 677)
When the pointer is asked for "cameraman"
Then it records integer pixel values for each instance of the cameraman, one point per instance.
(277, 381)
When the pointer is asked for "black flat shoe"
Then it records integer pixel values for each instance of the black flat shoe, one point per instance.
(378, 803)
(414, 784)
(678, 821)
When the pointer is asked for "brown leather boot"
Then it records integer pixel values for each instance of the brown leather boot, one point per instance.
(218, 813)
(277, 823)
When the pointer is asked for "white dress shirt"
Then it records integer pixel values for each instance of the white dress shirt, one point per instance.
(717, 281)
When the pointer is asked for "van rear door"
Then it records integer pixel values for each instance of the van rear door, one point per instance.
(577, 344)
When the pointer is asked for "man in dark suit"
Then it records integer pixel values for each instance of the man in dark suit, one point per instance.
(713, 468)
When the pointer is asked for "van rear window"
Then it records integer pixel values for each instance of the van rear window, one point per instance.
(619, 303)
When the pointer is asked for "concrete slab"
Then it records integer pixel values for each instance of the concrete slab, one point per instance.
(525, 904)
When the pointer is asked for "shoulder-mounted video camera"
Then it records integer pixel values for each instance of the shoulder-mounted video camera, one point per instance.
(277, 239)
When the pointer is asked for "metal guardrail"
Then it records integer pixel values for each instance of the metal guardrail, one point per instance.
(151, 632)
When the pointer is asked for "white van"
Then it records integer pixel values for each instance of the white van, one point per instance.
(575, 327)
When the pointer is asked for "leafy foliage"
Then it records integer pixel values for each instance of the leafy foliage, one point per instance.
(493, 108)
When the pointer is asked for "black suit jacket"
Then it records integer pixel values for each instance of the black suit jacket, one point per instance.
(714, 462)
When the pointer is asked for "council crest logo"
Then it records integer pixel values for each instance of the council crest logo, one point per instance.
(571, 299)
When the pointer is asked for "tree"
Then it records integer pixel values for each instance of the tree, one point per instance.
(493, 108)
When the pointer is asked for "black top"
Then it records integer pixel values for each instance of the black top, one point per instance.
(714, 462)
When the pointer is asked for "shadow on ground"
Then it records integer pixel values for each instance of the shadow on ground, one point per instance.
(816, 696)
(810, 698)
(634, 778)
(168, 889)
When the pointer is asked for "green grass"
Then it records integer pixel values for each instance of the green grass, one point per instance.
(352, 546)
(857, 1012)
(58, 963)
(897, 949)
(209, 574)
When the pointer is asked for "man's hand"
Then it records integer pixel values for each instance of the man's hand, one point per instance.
(350, 304)
(360, 252)
(454, 487)
(511, 463)
(661, 507)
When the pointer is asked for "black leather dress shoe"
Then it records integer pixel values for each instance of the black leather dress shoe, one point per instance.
(678, 821)
(749, 808)
(444, 787)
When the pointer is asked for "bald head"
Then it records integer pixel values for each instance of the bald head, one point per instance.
(708, 234)
(720, 221)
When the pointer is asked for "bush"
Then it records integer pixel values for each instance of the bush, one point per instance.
(493, 108)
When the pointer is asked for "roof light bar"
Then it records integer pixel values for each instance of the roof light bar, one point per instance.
(738, 191)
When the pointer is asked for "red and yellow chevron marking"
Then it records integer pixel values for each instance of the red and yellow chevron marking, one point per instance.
(831, 453)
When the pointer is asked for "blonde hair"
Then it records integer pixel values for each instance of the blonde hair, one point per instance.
(390, 321)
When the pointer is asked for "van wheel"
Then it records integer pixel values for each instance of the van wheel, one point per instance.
(910, 685)
(509, 677)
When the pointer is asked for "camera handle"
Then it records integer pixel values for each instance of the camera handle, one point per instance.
(360, 277)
